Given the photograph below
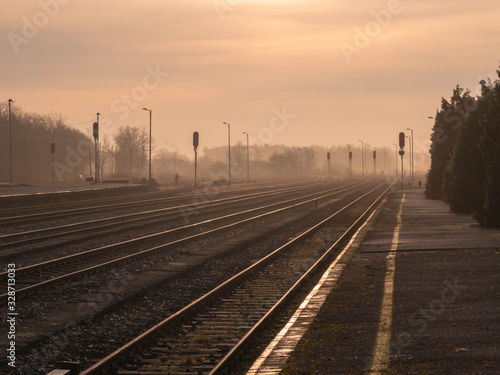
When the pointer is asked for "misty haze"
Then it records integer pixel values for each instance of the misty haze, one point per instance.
(249, 187)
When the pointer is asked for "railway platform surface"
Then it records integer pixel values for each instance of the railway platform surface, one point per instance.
(419, 296)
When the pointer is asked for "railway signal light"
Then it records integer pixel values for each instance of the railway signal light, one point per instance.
(402, 140)
(328, 155)
(350, 155)
(96, 130)
(374, 154)
(196, 140)
(52, 148)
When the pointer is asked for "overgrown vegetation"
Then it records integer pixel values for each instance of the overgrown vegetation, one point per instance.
(465, 160)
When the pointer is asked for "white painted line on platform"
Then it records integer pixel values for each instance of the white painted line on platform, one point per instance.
(380, 361)
(275, 357)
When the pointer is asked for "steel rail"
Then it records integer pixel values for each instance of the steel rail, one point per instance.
(24, 271)
(110, 363)
(234, 353)
(12, 220)
(129, 197)
(79, 227)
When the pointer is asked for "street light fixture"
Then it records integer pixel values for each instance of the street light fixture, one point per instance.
(150, 123)
(229, 151)
(10, 139)
(412, 169)
(362, 158)
(248, 159)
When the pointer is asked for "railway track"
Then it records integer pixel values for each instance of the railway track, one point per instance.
(208, 335)
(17, 211)
(12, 218)
(97, 227)
(47, 274)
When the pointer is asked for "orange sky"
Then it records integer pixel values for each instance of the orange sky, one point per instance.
(277, 69)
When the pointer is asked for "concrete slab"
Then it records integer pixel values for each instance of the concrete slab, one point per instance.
(445, 298)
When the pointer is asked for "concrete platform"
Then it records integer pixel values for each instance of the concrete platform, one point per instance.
(420, 296)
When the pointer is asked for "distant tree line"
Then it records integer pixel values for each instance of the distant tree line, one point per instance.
(32, 136)
(127, 152)
(465, 157)
(131, 151)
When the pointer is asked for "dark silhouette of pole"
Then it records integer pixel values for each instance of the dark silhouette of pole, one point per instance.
(53, 151)
(412, 158)
(150, 128)
(396, 173)
(402, 173)
(349, 156)
(112, 159)
(96, 148)
(10, 138)
(196, 141)
(411, 151)
(362, 158)
(248, 159)
(328, 160)
(98, 152)
(229, 151)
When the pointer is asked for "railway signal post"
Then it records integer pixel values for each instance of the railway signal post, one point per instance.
(402, 152)
(96, 148)
(53, 151)
(350, 164)
(328, 158)
(196, 141)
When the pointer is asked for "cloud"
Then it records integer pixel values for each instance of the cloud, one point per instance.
(264, 54)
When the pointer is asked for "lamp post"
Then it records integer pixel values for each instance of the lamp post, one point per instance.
(410, 138)
(112, 160)
(150, 123)
(374, 162)
(248, 159)
(362, 158)
(412, 159)
(396, 146)
(229, 151)
(10, 139)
